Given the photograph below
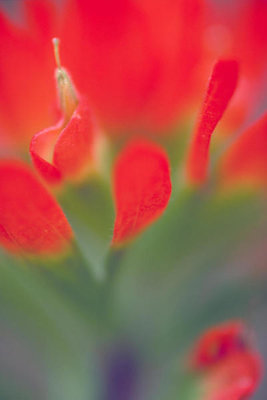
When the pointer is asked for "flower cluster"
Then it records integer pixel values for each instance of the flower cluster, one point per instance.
(134, 74)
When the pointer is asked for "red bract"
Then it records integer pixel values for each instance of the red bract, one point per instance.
(31, 221)
(67, 150)
(142, 188)
(230, 369)
(246, 160)
(221, 87)
(27, 101)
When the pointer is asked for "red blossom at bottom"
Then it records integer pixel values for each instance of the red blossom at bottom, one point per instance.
(229, 368)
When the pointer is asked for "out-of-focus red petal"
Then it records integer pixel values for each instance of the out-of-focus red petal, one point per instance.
(221, 87)
(245, 162)
(26, 74)
(250, 36)
(229, 368)
(41, 17)
(66, 152)
(142, 188)
(245, 40)
(138, 63)
(31, 221)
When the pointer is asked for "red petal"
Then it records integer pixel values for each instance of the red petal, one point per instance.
(221, 87)
(246, 160)
(142, 188)
(30, 218)
(59, 152)
(41, 150)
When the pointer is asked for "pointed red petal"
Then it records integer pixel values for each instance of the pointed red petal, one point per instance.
(142, 188)
(30, 219)
(246, 160)
(221, 87)
(41, 151)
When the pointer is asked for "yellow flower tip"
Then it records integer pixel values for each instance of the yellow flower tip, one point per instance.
(67, 93)
(56, 43)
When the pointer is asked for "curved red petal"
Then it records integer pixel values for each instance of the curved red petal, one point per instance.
(221, 87)
(41, 151)
(246, 160)
(30, 219)
(75, 147)
(142, 188)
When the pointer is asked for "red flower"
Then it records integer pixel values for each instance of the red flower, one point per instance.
(230, 369)
(139, 65)
(30, 219)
